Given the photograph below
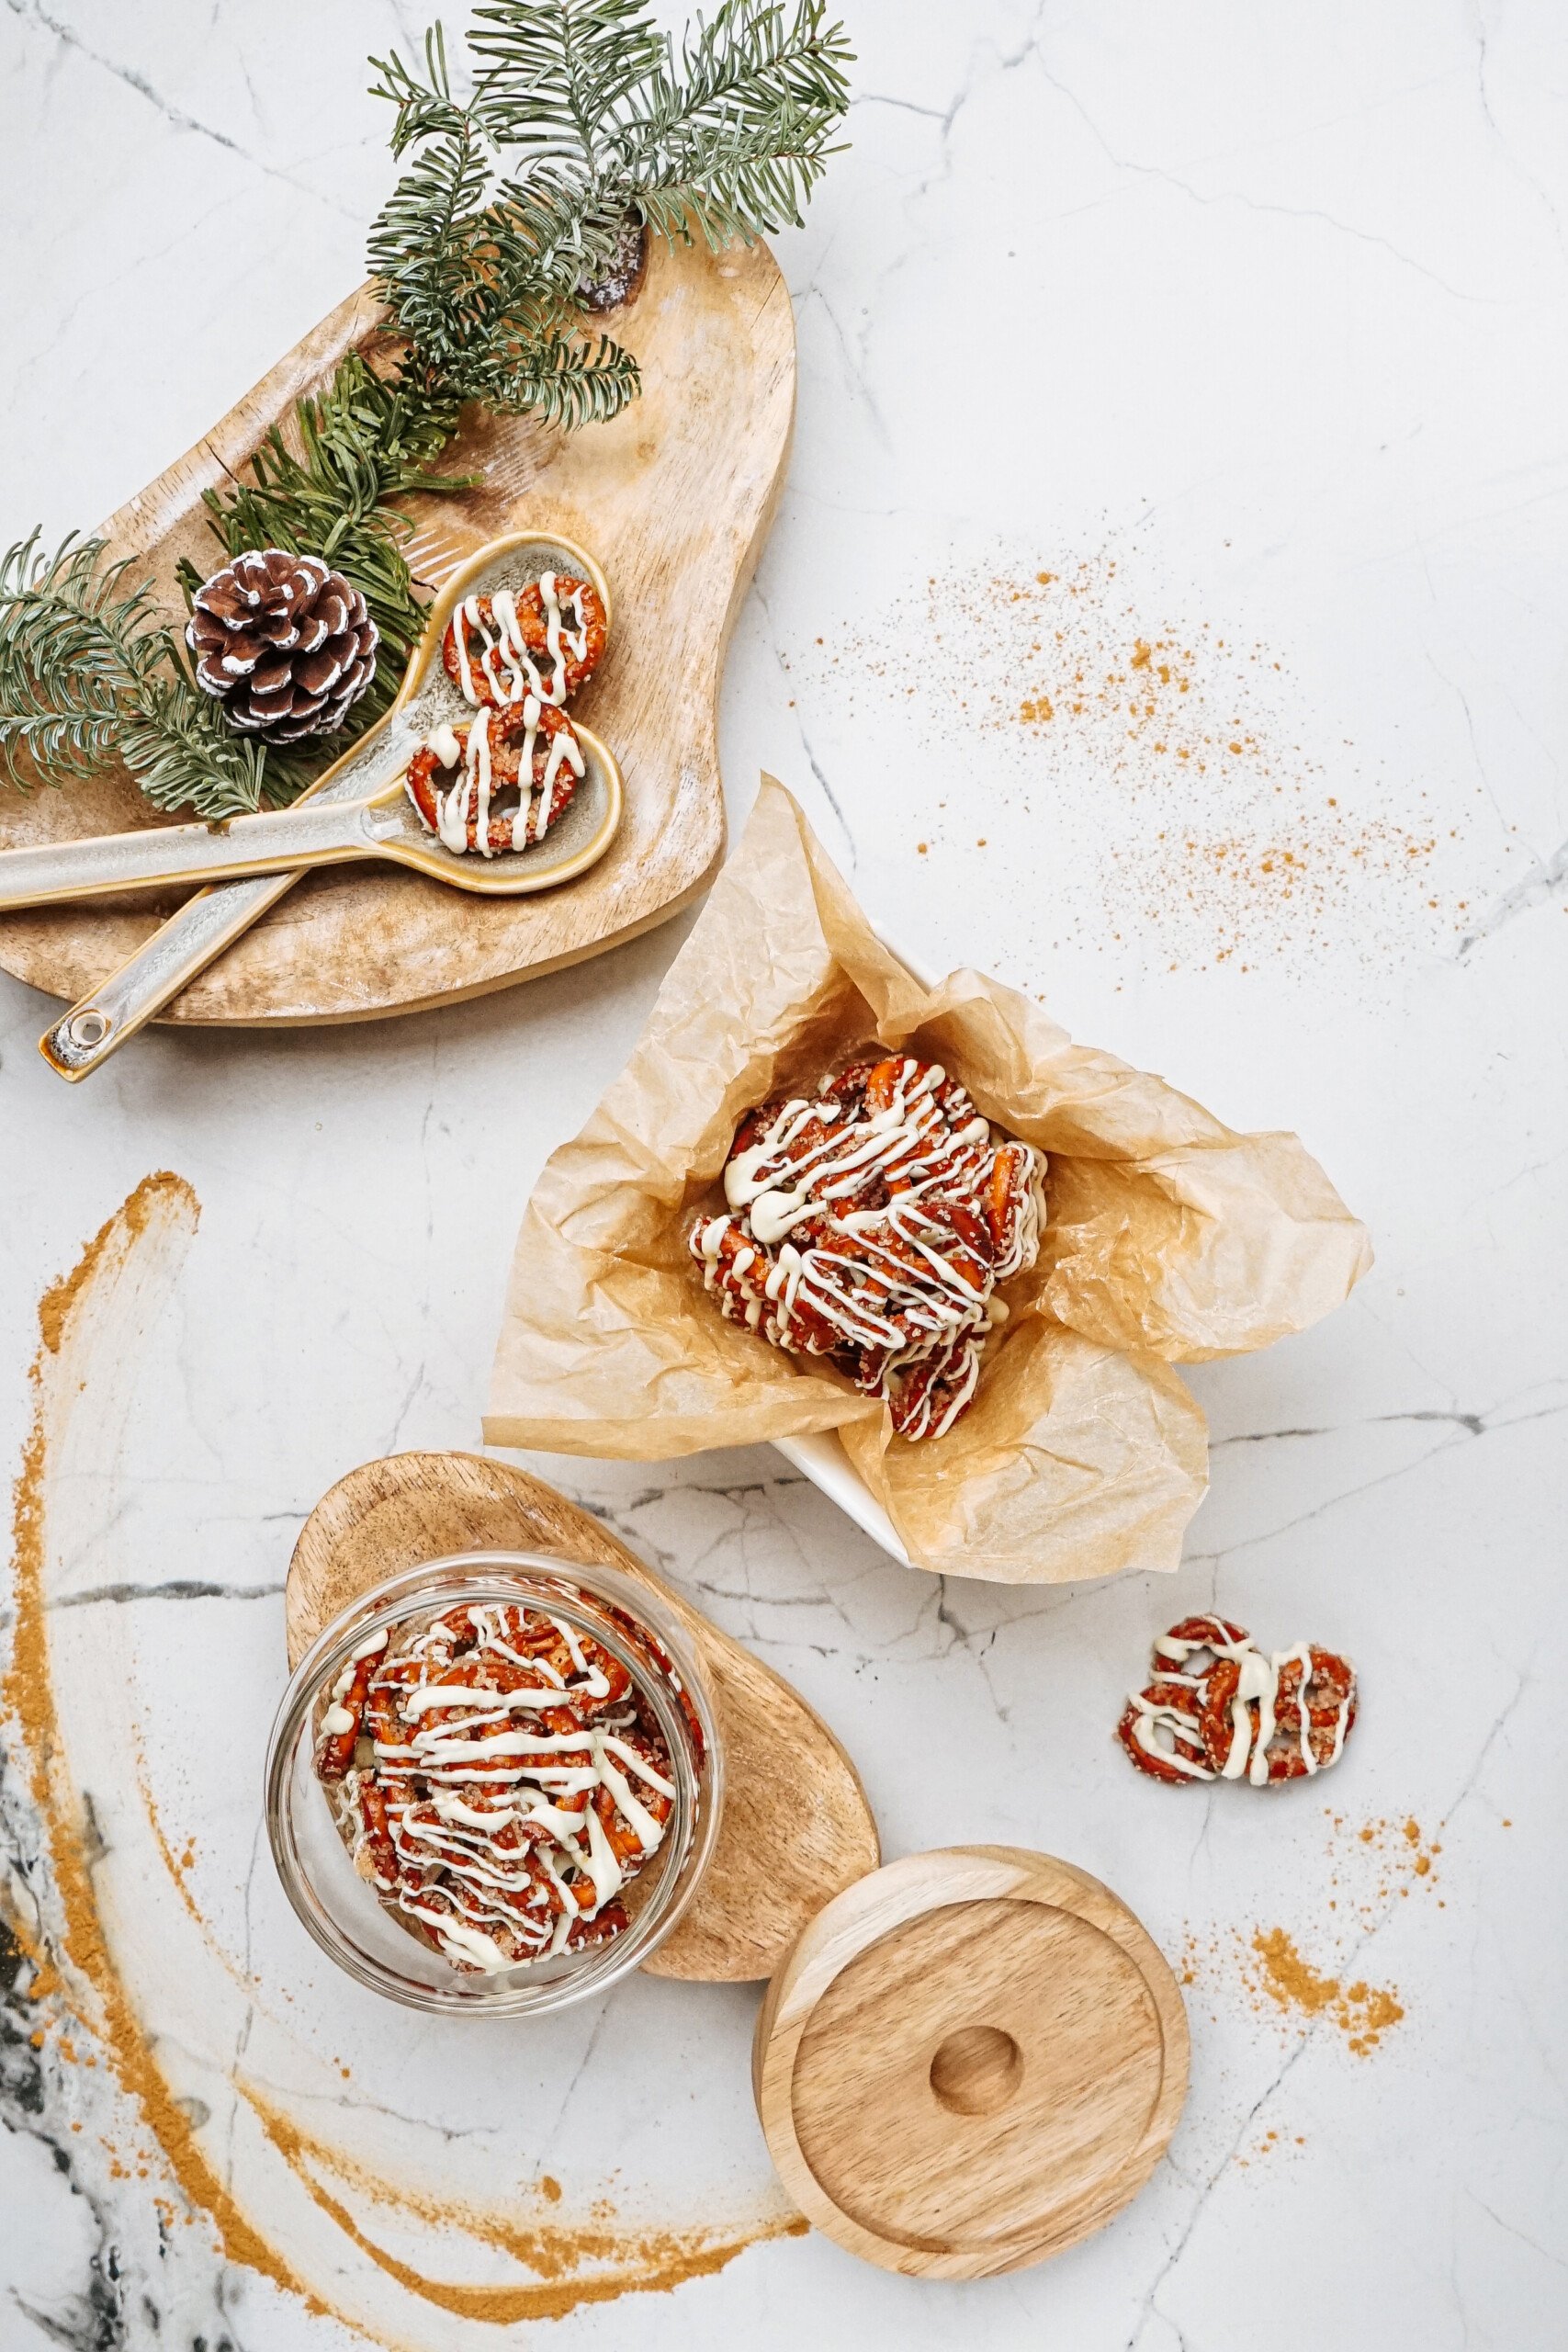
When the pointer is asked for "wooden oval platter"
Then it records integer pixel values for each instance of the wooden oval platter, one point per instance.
(970, 2061)
(796, 1828)
(673, 499)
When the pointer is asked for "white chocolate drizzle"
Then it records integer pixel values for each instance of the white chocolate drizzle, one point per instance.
(499, 654)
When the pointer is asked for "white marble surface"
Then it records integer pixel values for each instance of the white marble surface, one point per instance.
(1250, 326)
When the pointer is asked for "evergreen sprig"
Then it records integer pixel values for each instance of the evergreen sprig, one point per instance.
(582, 121)
(89, 673)
(583, 117)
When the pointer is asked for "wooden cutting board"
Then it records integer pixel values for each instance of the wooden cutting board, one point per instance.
(795, 1829)
(971, 2060)
(674, 499)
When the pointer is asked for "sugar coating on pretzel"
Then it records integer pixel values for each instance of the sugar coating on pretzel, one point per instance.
(871, 1223)
(547, 641)
(1220, 1709)
(462, 780)
(498, 1779)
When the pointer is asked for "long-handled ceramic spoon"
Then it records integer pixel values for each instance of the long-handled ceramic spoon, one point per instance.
(356, 791)
(321, 833)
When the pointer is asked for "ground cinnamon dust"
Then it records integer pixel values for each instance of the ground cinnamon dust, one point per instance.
(1369, 1867)
(573, 2264)
(1170, 776)
(1363, 2013)
(1379, 1861)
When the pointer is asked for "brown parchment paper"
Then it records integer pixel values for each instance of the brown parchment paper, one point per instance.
(1170, 1239)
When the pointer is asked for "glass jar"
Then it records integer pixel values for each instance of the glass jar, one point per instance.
(344, 1913)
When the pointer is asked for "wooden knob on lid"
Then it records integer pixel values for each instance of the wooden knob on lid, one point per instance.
(969, 2061)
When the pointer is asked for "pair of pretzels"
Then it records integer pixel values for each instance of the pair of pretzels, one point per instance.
(1217, 1708)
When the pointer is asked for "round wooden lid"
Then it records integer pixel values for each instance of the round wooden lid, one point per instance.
(969, 2061)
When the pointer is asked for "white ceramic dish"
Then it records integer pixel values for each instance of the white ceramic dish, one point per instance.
(821, 1456)
(826, 1464)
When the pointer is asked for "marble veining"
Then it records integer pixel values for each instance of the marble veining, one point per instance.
(1245, 329)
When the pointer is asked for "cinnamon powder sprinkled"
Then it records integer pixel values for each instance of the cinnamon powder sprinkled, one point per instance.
(1363, 2013)
(1169, 770)
(1380, 1861)
(1370, 1867)
(572, 2265)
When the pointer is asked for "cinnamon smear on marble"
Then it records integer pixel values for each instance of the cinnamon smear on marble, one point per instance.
(162, 1202)
(649, 2261)
(163, 1207)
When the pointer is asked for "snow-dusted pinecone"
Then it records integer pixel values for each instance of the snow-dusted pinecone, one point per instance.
(284, 644)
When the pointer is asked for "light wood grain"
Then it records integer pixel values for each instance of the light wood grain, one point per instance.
(674, 499)
(796, 1828)
(969, 2061)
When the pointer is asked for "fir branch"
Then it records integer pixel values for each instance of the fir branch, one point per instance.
(734, 140)
(482, 270)
(89, 674)
(74, 648)
(480, 276)
(558, 73)
(185, 755)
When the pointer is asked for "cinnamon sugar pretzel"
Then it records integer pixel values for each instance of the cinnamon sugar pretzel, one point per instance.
(546, 642)
(461, 776)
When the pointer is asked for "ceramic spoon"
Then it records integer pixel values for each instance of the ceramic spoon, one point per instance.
(367, 776)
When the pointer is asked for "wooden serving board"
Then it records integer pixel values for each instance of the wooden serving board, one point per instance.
(970, 2061)
(795, 1829)
(674, 499)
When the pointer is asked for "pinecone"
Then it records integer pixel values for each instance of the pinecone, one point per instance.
(285, 645)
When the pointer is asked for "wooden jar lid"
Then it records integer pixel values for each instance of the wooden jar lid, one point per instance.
(969, 2061)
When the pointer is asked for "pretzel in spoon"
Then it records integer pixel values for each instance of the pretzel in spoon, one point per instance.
(459, 773)
(547, 641)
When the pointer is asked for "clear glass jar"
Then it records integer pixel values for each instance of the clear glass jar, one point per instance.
(346, 1916)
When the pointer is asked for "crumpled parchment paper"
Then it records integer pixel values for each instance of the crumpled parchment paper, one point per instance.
(1171, 1240)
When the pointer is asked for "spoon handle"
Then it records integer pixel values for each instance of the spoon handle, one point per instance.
(125, 1001)
(315, 833)
(200, 931)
